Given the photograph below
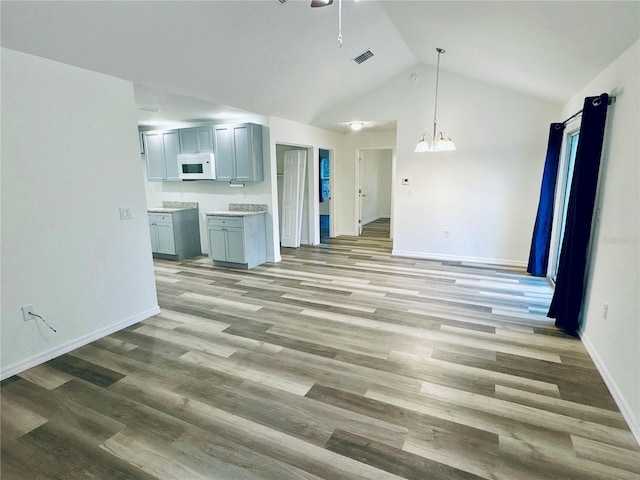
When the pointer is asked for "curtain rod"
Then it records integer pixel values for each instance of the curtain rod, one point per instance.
(611, 100)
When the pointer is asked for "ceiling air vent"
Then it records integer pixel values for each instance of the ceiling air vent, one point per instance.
(363, 57)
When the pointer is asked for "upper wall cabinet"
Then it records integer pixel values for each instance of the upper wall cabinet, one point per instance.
(162, 150)
(238, 150)
(196, 140)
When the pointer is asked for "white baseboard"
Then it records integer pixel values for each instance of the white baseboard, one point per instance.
(17, 367)
(459, 258)
(625, 409)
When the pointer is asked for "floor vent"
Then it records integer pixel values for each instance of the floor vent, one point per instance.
(363, 57)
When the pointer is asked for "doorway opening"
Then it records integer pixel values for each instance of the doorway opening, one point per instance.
(324, 209)
(374, 191)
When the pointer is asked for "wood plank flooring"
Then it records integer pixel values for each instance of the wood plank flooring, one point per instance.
(340, 362)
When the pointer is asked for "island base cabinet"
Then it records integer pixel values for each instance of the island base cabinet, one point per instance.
(164, 241)
(238, 242)
(175, 235)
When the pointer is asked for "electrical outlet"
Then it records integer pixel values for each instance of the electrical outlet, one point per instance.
(605, 310)
(446, 234)
(25, 312)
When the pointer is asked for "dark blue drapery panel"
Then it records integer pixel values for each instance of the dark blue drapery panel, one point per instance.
(539, 253)
(567, 298)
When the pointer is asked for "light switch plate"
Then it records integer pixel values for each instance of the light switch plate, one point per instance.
(125, 213)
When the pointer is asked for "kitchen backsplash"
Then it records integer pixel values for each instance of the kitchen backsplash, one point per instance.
(179, 204)
(247, 207)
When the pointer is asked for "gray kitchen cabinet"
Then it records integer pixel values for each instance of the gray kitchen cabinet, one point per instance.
(237, 240)
(238, 150)
(162, 149)
(175, 233)
(196, 140)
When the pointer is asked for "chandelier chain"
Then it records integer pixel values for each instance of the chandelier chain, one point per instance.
(435, 106)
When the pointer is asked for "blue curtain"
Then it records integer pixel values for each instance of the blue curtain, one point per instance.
(539, 253)
(568, 294)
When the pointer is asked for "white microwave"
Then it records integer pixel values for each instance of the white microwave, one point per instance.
(196, 166)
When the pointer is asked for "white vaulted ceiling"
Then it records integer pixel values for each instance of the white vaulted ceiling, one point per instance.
(282, 59)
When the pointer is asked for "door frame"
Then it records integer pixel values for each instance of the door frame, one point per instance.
(331, 192)
(358, 186)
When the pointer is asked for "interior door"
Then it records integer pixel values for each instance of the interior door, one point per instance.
(361, 194)
(295, 162)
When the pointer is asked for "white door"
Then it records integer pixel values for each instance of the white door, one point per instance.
(295, 162)
(361, 194)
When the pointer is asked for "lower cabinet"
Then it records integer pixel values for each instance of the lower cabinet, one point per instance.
(237, 241)
(161, 229)
(174, 234)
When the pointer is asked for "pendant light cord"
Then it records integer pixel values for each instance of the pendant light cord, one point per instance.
(435, 107)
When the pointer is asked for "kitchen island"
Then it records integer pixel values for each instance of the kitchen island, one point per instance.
(237, 238)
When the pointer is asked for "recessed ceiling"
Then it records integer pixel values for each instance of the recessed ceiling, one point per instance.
(207, 60)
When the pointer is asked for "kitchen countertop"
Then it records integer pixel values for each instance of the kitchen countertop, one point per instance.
(232, 213)
(166, 210)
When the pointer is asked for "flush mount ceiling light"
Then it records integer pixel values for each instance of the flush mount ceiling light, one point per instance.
(149, 109)
(439, 142)
(356, 126)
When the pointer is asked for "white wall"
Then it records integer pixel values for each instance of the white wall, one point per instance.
(484, 194)
(613, 278)
(69, 161)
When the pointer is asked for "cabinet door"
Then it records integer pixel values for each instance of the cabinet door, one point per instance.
(171, 142)
(235, 245)
(224, 153)
(188, 140)
(218, 244)
(166, 242)
(205, 139)
(242, 152)
(156, 166)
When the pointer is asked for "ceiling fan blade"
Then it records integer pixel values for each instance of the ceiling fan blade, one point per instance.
(321, 3)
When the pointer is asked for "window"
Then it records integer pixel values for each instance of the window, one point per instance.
(324, 179)
(564, 185)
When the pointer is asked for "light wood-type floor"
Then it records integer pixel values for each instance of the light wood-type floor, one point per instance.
(340, 362)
